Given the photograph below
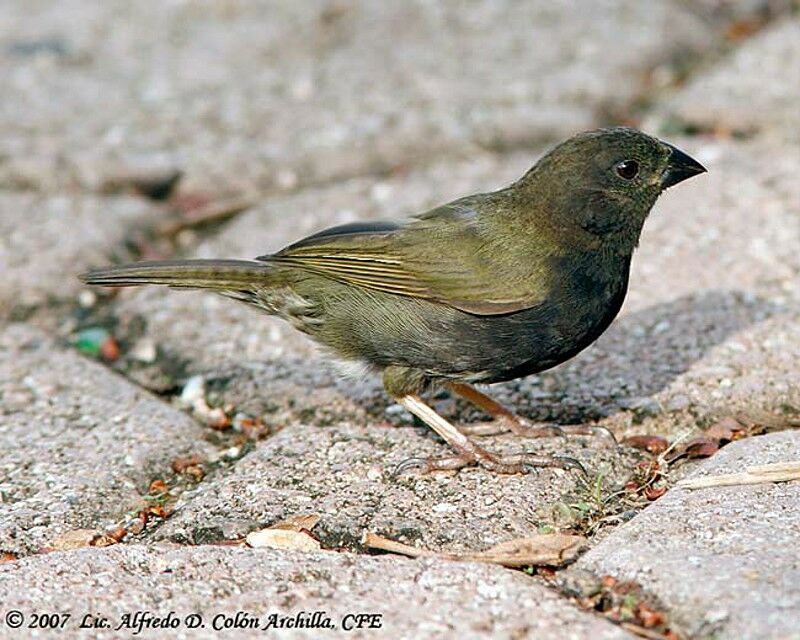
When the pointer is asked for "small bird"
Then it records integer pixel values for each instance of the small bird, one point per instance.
(486, 288)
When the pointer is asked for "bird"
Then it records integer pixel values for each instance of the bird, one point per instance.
(487, 288)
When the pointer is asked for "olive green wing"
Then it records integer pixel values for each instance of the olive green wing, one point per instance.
(444, 255)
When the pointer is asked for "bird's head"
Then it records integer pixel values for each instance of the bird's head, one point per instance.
(606, 181)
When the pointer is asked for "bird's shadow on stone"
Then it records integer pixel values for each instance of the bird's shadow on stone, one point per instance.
(641, 354)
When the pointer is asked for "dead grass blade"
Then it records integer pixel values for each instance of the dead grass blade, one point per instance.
(778, 472)
(552, 549)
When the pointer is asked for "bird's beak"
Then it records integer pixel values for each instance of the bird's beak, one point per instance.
(681, 166)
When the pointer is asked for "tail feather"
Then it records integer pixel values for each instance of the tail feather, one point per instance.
(195, 274)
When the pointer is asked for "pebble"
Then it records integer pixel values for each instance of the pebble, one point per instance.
(193, 390)
(232, 453)
(445, 507)
(87, 298)
(641, 405)
(678, 403)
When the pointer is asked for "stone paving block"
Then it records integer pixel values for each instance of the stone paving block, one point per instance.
(416, 599)
(275, 93)
(754, 90)
(78, 445)
(344, 473)
(45, 241)
(722, 560)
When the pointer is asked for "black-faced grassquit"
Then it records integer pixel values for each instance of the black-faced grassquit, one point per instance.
(487, 288)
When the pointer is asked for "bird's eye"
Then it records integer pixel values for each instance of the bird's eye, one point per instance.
(627, 169)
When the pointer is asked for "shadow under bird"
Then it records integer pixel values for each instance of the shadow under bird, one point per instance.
(486, 288)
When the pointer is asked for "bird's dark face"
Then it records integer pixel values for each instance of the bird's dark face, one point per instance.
(607, 180)
(629, 164)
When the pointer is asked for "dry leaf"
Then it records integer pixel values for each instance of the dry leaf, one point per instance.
(742, 29)
(79, 538)
(756, 422)
(649, 617)
(118, 534)
(158, 486)
(190, 466)
(179, 465)
(109, 349)
(653, 444)
(553, 549)
(298, 523)
(232, 542)
(726, 429)
(654, 493)
(701, 448)
(282, 539)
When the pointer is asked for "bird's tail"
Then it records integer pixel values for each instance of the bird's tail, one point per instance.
(235, 275)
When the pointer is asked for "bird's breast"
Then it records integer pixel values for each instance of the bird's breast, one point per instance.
(581, 304)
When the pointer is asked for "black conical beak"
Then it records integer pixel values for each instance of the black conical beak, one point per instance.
(681, 167)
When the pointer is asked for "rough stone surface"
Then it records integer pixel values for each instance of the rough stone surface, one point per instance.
(416, 598)
(80, 445)
(314, 85)
(723, 560)
(331, 111)
(752, 91)
(45, 241)
(344, 474)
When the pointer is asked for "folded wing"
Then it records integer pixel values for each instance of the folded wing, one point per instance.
(441, 256)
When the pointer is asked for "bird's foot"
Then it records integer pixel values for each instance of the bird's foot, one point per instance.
(468, 453)
(527, 429)
(515, 425)
(601, 433)
(505, 421)
(509, 464)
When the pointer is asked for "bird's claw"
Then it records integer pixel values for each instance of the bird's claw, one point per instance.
(529, 430)
(427, 465)
(520, 463)
(568, 462)
(407, 465)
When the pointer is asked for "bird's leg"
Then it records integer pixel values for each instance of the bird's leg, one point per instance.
(469, 453)
(504, 420)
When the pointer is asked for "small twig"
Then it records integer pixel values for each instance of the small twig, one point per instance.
(552, 549)
(210, 214)
(662, 458)
(778, 472)
(642, 632)
(374, 541)
(156, 184)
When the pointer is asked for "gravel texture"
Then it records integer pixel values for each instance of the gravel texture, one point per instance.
(331, 111)
(415, 598)
(723, 560)
(196, 83)
(46, 240)
(344, 474)
(80, 445)
(753, 92)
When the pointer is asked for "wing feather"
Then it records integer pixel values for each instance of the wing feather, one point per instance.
(456, 269)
